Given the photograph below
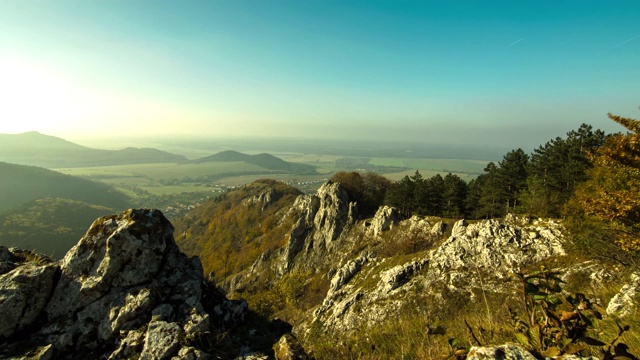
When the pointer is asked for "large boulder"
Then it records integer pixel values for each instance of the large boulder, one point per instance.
(24, 292)
(125, 290)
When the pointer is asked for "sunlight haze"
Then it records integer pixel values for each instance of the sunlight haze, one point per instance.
(461, 72)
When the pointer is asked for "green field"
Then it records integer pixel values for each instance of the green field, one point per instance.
(448, 165)
(395, 162)
(426, 173)
(163, 171)
(175, 189)
(171, 179)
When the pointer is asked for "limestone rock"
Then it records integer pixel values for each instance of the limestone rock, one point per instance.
(624, 303)
(502, 352)
(384, 219)
(125, 290)
(491, 247)
(265, 199)
(161, 341)
(346, 272)
(288, 348)
(335, 212)
(459, 228)
(24, 293)
(322, 219)
(399, 275)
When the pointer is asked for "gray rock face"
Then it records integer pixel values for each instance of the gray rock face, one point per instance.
(399, 275)
(384, 219)
(24, 292)
(288, 348)
(346, 272)
(265, 199)
(494, 248)
(322, 219)
(124, 290)
(502, 352)
(623, 303)
(335, 212)
(122, 269)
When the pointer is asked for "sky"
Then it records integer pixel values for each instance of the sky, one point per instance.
(514, 73)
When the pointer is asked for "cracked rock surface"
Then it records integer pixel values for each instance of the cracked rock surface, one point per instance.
(125, 290)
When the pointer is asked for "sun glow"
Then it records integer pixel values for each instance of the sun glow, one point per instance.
(36, 98)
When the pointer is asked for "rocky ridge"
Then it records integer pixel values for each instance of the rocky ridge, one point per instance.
(124, 290)
(441, 261)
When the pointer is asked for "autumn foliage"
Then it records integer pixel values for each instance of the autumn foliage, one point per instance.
(611, 195)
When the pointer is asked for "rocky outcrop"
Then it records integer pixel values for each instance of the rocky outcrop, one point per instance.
(335, 212)
(383, 220)
(502, 352)
(265, 199)
(490, 248)
(288, 348)
(124, 290)
(348, 271)
(494, 247)
(321, 219)
(624, 303)
(24, 293)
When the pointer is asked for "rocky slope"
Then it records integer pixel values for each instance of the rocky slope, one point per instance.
(384, 287)
(369, 272)
(125, 290)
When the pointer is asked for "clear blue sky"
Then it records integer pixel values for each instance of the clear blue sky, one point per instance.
(509, 72)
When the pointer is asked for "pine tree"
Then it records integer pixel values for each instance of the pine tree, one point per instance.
(455, 194)
(556, 168)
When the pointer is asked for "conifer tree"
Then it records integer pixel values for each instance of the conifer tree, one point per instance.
(454, 195)
(556, 168)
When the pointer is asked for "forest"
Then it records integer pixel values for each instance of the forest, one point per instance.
(587, 175)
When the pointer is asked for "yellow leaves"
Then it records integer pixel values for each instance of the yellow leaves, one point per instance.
(630, 124)
(613, 192)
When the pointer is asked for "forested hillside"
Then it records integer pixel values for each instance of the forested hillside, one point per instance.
(47, 211)
(359, 279)
(229, 232)
(20, 184)
(49, 226)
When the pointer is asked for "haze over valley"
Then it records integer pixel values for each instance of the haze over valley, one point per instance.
(319, 179)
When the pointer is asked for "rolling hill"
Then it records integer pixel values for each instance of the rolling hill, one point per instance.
(49, 226)
(20, 184)
(35, 149)
(263, 160)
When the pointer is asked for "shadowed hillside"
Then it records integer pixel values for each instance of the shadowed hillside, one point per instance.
(19, 184)
(52, 226)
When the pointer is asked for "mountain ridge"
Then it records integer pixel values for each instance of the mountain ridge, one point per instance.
(336, 275)
(36, 149)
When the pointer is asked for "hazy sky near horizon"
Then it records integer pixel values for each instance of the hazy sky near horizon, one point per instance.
(508, 72)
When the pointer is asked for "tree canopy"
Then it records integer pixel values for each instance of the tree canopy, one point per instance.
(610, 195)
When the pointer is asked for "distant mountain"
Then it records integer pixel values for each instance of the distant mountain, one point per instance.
(33, 148)
(20, 184)
(263, 160)
(32, 139)
(223, 156)
(48, 226)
